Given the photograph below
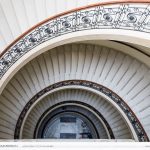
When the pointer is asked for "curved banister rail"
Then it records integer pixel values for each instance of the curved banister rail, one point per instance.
(39, 33)
(110, 2)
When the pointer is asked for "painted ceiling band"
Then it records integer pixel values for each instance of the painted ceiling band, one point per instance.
(110, 15)
(139, 130)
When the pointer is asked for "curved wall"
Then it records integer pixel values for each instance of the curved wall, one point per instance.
(124, 75)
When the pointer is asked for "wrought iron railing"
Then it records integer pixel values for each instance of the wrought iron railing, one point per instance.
(126, 16)
(140, 132)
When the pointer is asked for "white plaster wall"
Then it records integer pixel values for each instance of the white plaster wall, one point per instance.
(121, 73)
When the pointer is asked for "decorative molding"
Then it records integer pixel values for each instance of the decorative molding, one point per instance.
(123, 15)
(141, 134)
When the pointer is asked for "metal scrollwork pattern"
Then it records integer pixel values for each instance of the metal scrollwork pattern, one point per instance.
(141, 134)
(117, 16)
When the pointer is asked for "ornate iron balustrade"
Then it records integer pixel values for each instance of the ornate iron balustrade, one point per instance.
(117, 16)
(141, 134)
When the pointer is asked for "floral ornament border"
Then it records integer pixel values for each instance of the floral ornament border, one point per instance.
(127, 16)
(139, 130)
